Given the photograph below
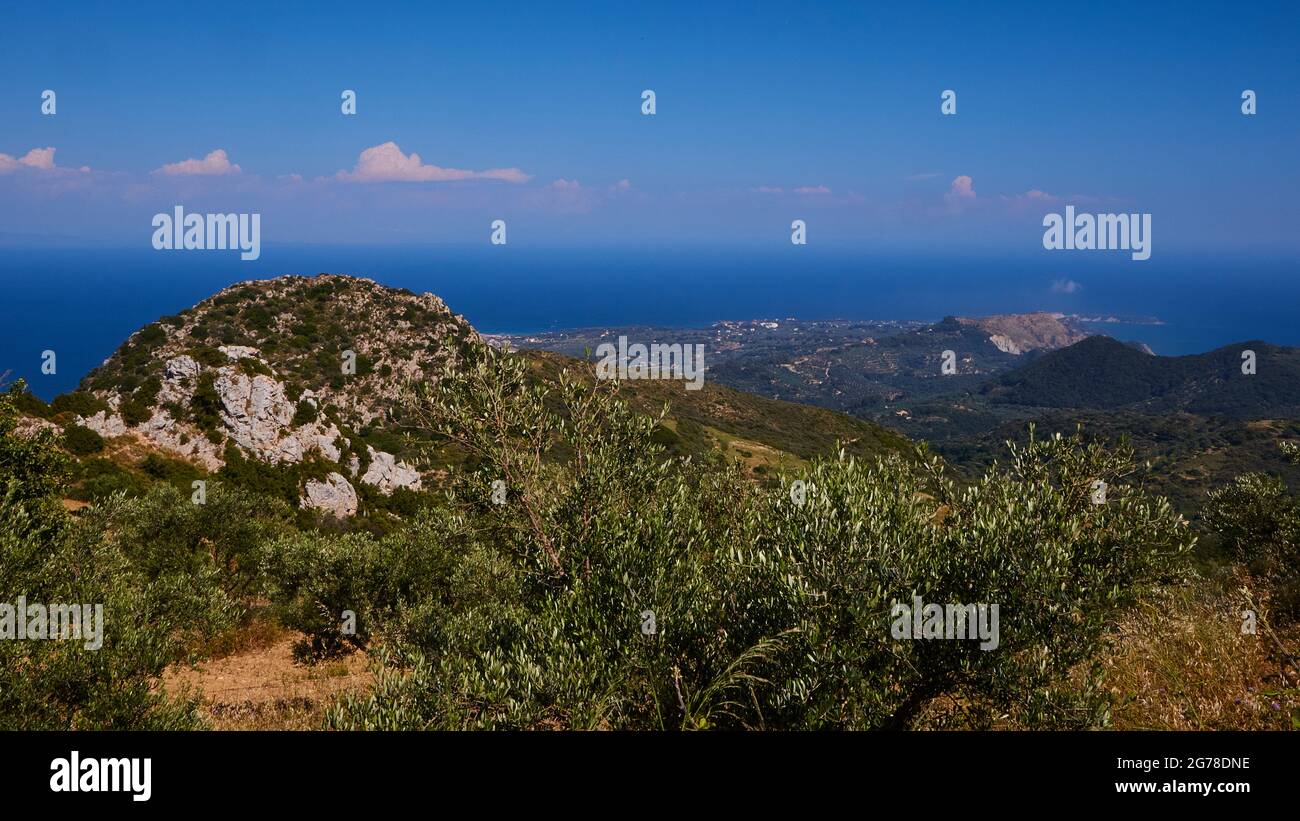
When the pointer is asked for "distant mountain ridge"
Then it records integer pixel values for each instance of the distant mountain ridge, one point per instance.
(1199, 418)
(1103, 373)
(856, 366)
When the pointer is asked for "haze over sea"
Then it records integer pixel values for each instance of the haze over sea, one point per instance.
(83, 303)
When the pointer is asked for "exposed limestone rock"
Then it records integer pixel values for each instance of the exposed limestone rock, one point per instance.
(334, 496)
(388, 474)
(178, 380)
(257, 416)
(28, 426)
(237, 352)
(1029, 332)
(164, 431)
(105, 423)
(180, 367)
(254, 409)
(1005, 344)
(279, 352)
(317, 437)
(255, 413)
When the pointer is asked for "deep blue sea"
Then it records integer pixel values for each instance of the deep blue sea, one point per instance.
(83, 303)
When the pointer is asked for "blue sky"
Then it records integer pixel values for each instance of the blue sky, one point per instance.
(1109, 107)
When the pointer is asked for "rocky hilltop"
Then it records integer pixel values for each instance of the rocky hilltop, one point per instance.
(281, 371)
(292, 387)
(1019, 333)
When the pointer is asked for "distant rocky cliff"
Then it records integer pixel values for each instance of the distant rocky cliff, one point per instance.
(1020, 333)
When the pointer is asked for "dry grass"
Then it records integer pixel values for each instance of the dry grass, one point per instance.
(257, 633)
(259, 686)
(1181, 662)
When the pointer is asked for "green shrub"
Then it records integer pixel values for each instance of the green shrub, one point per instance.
(208, 356)
(134, 412)
(147, 393)
(82, 441)
(385, 440)
(150, 336)
(80, 403)
(170, 534)
(305, 413)
(279, 480)
(97, 479)
(768, 614)
(24, 401)
(149, 617)
(205, 403)
(254, 367)
(169, 469)
(257, 317)
(1257, 520)
(32, 468)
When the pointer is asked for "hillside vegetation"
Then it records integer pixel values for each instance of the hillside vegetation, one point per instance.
(579, 556)
(296, 387)
(859, 367)
(1102, 373)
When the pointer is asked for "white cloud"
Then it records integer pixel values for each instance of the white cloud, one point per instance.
(812, 189)
(565, 185)
(1066, 286)
(962, 188)
(215, 164)
(387, 163)
(40, 159)
(961, 195)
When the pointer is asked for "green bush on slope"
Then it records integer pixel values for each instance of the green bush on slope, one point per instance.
(1257, 519)
(151, 615)
(529, 613)
(520, 601)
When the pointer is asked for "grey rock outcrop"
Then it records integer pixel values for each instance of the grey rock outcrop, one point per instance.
(105, 423)
(335, 496)
(254, 412)
(34, 425)
(258, 417)
(237, 368)
(388, 474)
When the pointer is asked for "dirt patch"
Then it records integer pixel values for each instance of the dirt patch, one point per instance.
(264, 688)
